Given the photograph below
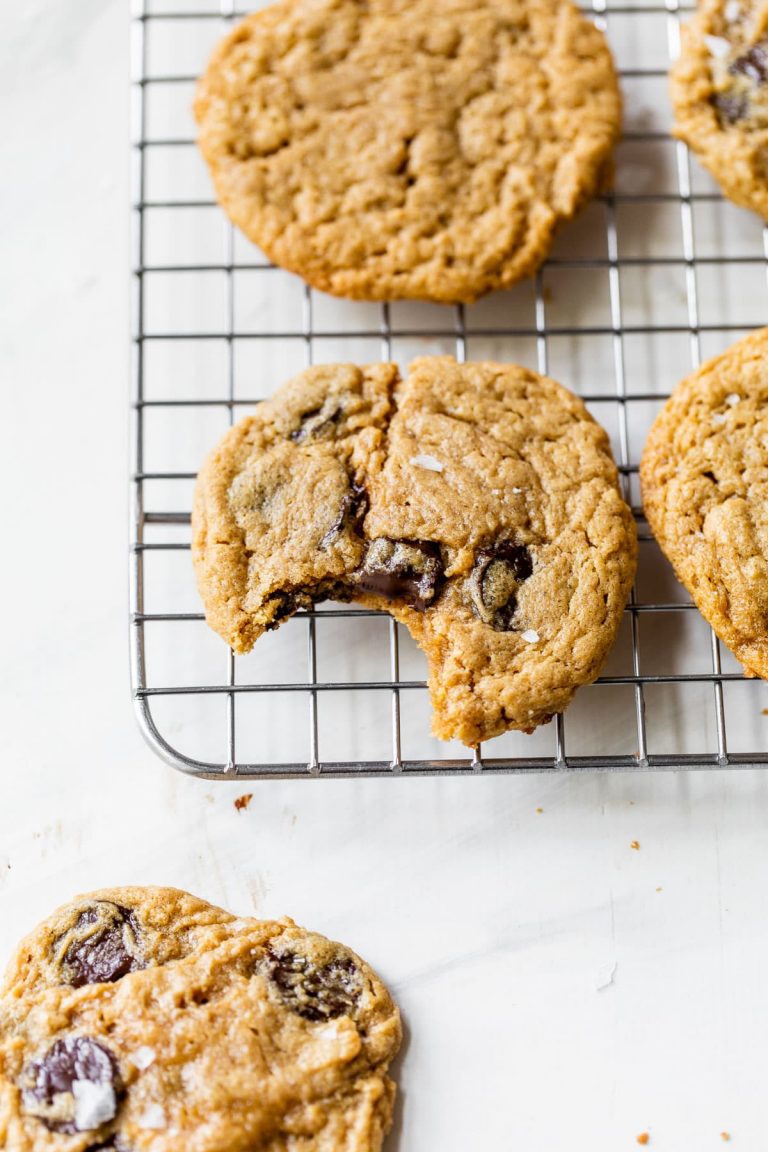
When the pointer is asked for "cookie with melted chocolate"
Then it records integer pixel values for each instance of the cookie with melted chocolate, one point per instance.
(476, 503)
(720, 95)
(182, 1028)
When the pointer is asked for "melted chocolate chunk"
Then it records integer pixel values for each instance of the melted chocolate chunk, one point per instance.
(753, 64)
(316, 993)
(51, 1095)
(104, 946)
(730, 108)
(319, 424)
(495, 581)
(351, 514)
(286, 604)
(410, 570)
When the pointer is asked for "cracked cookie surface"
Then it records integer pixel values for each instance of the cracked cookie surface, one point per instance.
(395, 149)
(704, 475)
(720, 94)
(477, 503)
(224, 1034)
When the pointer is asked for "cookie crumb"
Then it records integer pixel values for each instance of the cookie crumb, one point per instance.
(636, 845)
(659, 889)
(539, 810)
(725, 1136)
(243, 801)
(643, 1138)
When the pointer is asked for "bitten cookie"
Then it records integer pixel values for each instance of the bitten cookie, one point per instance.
(721, 99)
(145, 1020)
(704, 476)
(408, 148)
(476, 503)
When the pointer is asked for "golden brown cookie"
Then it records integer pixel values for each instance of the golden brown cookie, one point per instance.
(145, 1020)
(720, 95)
(704, 475)
(393, 149)
(476, 503)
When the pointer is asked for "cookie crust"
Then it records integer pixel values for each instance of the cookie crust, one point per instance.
(498, 472)
(704, 476)
(719, 88)
(230, 1035)
(422, 149)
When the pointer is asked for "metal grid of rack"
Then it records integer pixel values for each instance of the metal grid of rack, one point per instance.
(654, 277)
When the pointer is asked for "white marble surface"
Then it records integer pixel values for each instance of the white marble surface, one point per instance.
(492, 922)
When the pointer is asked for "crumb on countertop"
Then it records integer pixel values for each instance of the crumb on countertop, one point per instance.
(539, 809)
(643, 1138)
(243, 801)
(635, 844)
(725, 1136)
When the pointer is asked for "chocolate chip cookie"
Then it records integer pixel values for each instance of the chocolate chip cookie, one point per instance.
(720, 94)
(145, 1020)
(477, 503)
(408, 148)
(704, 475)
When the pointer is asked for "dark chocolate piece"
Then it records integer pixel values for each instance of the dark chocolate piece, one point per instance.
(730, 108)
(753, 64)
(316, 993)
(50, 1096)
(410, 570)
(351, 514)
(319, 424)
(105, 946)
(495, 581)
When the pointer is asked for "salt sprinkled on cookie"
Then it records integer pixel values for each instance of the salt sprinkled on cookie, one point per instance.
(732, 399)
(732, 11)
(143, 1057)
(718, 46)
(153, 1118)
(530, 636)
(428, 462)
(94, 1104)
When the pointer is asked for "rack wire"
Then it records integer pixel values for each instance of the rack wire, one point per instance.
(652, 278)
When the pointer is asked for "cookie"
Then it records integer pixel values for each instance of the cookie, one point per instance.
(421, 149)
(720, 95)
(704, 476)
(145, 1020)
(477, 503)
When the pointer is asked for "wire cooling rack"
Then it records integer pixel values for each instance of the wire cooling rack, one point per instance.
(650, 280)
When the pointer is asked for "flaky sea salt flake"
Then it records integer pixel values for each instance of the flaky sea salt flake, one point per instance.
(530, 636)
(732, 11)
(94, 1104)
(153, 1118)
(428, 462)
(143, 1057)
(717, 46)
(719, 418)
(732, 399)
